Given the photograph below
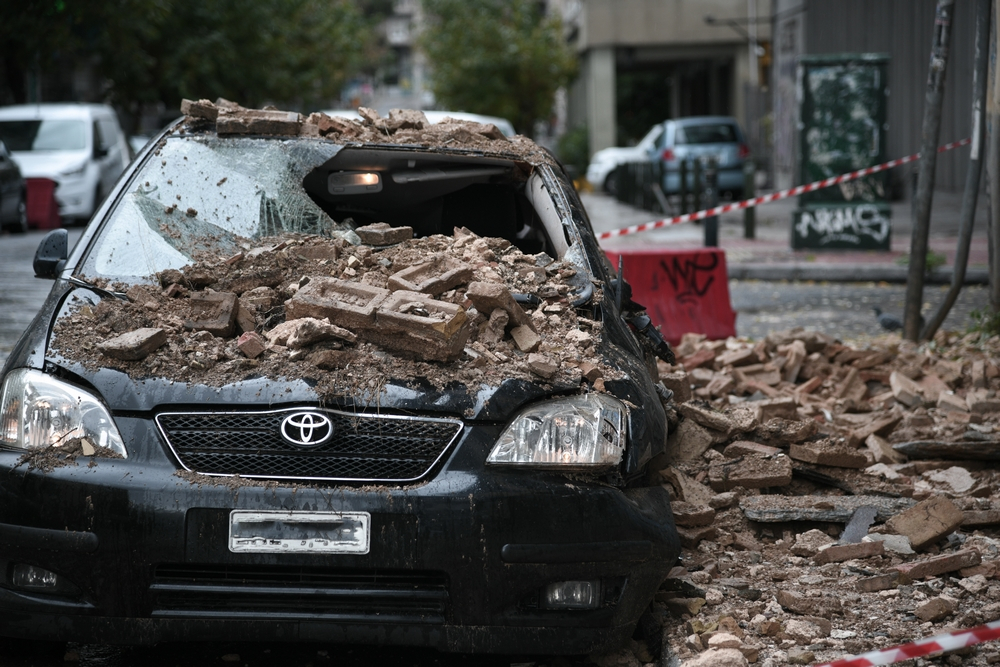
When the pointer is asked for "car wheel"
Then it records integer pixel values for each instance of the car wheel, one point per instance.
(611, 183)
(20, 226)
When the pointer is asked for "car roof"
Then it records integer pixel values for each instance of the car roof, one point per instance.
(63, 111)
(432, 116)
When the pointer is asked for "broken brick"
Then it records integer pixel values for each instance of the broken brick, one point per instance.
(686, 514)
(525, 339)
(487, 297)
(841, 552)
(824, 607)
(949, 402)
(741, 447)
(882, 450)
(927, 521)
(775, 408)
(214, 312)
(347, 304)
(692, 537)
(200, 109)
(251, 344)
(688, 441)
(905, 390)
(827, 454)
(382, 234)
(134, 345)
(880, 582)
(752, 471)
(698, 359)
(935, 609)
(707, 418)
(436, 276)
(936, 565)
(542, 365)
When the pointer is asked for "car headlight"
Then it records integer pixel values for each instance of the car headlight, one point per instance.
(585, 432)
(73, 172)
(38, 411)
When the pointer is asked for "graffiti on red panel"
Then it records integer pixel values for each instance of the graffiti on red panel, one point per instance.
(691, 277)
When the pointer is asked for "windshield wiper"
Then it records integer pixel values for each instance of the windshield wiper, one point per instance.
(100, 290)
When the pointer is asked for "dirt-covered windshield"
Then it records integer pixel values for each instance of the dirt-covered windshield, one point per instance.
(198, 194)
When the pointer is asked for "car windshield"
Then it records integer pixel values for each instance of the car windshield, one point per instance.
(198, 194)
(44, 135)
(709, 133)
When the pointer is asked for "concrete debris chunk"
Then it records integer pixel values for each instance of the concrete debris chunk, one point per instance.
(200, 109)
(525, 338)
(134, 345)
(487, 297)
(440, 274)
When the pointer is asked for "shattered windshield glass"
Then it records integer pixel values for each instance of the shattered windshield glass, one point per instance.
(203, 195)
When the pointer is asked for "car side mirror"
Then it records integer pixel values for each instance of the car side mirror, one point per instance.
(99, 152)
(52, 253)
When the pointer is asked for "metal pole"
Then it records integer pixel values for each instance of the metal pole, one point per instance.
(712, 200)
(928, 162)
(749, 192)
(698, 189)
(684, 187)
(993, 164)
(974, 172)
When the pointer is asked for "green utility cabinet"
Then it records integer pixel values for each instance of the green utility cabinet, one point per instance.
(842, 128)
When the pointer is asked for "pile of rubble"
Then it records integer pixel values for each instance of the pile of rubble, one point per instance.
(403, 126)
(443, 309)
(830, 500)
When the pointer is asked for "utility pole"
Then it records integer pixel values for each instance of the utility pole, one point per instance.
(993, 164)
(928, 163)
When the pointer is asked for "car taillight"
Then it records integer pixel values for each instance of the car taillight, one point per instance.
(668, 154)
(744, 151)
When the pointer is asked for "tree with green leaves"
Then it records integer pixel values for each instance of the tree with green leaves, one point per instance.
(497, 57)
(296, 53)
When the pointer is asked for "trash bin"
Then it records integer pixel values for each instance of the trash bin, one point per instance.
(43, 210)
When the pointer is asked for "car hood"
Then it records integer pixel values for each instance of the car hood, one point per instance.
(49, 164)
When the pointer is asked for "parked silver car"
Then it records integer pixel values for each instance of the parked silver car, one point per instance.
(702, 138)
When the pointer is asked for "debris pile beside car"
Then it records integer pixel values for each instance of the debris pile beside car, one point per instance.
(831, 500)
(349, 317)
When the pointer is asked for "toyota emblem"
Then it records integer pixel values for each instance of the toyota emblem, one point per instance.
(307, 429)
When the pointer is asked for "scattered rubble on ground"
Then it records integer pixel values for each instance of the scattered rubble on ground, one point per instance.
(814, 527)
(436, 310)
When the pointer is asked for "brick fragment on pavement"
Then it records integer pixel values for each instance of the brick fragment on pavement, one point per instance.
(525, 338)
(937, 565)
(880, 582)
(905, 390)
(935, 609)
(840, 552)
(707, 418)
(741, 447)
(882, 450)
(828, 454)
(753, 471)
(927, 521)
(798, 603)
(134, 345)
(690, 515)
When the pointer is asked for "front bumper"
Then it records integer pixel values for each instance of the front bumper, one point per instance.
(456, 563)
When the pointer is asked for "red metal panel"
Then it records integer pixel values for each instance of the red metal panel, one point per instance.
(684, 291)
(43, 210)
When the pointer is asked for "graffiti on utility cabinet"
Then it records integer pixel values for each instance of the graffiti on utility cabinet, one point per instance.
(843, 227)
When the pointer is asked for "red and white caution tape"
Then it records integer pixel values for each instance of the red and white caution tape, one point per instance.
(931, 645)
(797, 190)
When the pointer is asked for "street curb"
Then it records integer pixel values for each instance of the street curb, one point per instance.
(847, 273)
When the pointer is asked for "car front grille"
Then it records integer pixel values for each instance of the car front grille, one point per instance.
(361, 448)
(289, 592)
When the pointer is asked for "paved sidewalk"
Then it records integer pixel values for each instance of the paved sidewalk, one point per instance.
(769, 256)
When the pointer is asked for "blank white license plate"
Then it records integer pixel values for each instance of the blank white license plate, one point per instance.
(299, 532)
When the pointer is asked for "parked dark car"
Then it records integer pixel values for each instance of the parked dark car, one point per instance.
(13, 195)
(457, 457)
(700, 138)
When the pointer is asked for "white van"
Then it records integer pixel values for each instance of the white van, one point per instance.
(79, 146)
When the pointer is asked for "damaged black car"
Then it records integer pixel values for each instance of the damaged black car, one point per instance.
(316, 379)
